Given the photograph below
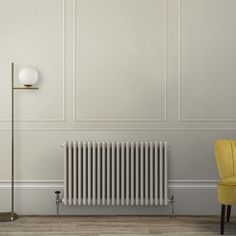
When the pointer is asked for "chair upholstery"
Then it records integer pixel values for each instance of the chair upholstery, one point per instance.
(225, 154)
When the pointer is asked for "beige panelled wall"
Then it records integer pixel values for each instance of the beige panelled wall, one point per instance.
(115, 70)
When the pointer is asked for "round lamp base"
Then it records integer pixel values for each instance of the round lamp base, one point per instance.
(7, 216)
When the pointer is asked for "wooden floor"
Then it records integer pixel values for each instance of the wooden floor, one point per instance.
(114, 226)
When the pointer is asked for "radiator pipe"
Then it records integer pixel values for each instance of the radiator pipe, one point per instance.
(172, 202)
(58, 200)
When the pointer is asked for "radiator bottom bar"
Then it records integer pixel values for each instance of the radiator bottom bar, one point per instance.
(58, 201)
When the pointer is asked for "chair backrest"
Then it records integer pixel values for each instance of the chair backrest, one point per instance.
(225, 154)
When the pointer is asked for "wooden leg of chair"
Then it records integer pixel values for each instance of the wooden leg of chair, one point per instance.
(228, 213)
(222, 221)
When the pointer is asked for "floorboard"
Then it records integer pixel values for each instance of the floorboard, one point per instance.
(114, 226)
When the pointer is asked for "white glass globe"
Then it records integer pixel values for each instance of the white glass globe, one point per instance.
(28, 76)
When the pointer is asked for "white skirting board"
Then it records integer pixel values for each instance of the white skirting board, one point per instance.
(38, 198)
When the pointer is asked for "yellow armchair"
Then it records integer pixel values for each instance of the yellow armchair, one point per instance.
(225, 154)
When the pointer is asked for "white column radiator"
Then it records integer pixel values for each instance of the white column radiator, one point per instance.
(115, 173)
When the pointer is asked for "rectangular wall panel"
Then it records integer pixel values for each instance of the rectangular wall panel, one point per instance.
(33, 34)
(120, 51)
(207, 56)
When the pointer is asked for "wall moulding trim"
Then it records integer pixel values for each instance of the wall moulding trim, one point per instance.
(121, 120)
(180, 119)
(192, 184)
(63, 77)
(117, 129)
(58, 184)
(32, 184)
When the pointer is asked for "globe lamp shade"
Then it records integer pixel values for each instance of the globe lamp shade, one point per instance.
(28, 76)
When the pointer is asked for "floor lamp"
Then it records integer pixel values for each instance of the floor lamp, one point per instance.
(28, 77)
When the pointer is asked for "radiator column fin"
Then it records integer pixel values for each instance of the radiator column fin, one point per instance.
(137, 174)
(75, 174)
(103, 173)
(118, 174)
(132, 184)
(84, 161)
(142, 174)
(151, 167)
(146, 157)
(79, 173)
(70, 189)
(161, 173)
(166, 201)
(88, 171)
(113, 183)
(65, 173)
(127, 167)
(94, 163)
(156, 179)
(108, 168)
(122, 173)
(98, 173)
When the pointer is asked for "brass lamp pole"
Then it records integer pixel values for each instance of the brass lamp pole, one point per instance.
(10, 216)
